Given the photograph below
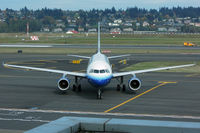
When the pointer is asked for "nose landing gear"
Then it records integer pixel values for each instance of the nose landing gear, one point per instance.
(99, 93)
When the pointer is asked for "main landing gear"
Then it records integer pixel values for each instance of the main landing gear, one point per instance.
(121, 85)
(76, 86)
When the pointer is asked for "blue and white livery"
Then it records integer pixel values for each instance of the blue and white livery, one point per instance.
(99, 72)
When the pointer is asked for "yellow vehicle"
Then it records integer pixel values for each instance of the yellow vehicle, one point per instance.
(189, 44)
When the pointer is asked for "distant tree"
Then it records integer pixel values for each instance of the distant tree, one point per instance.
(48, 20)
(25, 12)
(15, 21)
(3, 27)
(35, 25)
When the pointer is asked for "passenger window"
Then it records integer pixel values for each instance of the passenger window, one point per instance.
(102, 71)
(96, 71)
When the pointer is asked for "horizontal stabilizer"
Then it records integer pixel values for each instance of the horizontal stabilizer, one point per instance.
(79, 56)
(118, 56)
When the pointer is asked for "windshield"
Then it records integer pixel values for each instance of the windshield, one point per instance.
(96, 71)
(99, 71)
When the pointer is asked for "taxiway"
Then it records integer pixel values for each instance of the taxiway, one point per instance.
(29, 98)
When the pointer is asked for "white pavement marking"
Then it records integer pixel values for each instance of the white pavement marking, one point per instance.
(103, 114)
(27, 46)
(24, 120)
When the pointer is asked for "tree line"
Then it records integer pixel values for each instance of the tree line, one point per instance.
(15, 21)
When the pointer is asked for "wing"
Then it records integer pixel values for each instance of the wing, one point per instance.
(149, 70)
(47, 70)
(79, 56)
(118, 56)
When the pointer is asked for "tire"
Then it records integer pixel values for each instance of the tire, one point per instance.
(99, 94)
(118, 87)
(74, 87)
(79, 88)
(124, 88)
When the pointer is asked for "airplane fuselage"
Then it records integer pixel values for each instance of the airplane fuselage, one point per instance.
(99, 71)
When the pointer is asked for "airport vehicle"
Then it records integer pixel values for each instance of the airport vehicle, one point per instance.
(189, 44)
(99, 73)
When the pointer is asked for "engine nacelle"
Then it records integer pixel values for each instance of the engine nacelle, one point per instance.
(63, 84)
(134, 84)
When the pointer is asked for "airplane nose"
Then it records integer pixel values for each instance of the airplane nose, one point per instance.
(99, 82)
(102, 82)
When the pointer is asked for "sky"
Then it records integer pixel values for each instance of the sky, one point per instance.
(97, 4)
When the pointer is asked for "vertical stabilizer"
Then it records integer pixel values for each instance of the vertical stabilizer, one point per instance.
(99, 45)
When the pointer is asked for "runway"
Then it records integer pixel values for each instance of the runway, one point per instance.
(105, 46)
(29, 98)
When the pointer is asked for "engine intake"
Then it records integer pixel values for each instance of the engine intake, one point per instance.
(134, 84)
(63, 84)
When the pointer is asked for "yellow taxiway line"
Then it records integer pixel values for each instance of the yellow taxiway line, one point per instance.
(162, 83)
(192, 75)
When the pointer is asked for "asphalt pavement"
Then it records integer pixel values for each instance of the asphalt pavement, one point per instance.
(29, 98)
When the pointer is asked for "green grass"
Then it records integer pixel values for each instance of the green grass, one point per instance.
(148, 65)
(61, 38)
(47, 50)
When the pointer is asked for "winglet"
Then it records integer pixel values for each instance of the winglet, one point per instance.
(3, 64)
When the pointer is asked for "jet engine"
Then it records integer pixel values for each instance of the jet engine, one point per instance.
(134, 84)
(63, 84)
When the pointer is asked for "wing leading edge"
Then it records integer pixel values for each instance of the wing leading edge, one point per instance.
(47, 70)
(79, 56)
(149, 70)
(118, 56)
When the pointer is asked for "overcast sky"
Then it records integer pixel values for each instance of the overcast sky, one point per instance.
(97, 4)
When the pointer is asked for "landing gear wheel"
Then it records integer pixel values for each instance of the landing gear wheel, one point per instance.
(74, 87)
(118, 87)
(99, 94)
(124, 87)
(79, 88)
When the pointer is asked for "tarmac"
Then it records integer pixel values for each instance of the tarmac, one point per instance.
(108, 46)
(29, 98)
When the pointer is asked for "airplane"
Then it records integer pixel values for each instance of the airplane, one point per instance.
(99, 73)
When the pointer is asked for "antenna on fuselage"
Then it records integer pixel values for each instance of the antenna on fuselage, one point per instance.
(99, 45)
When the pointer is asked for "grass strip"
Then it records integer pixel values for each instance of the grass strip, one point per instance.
(148, 65)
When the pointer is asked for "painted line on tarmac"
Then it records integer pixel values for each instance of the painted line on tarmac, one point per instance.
(24, 120)
(48, 61)
(27, 76)
(101, 113)
(192, 75)
(26, 46)
(29, 63)
(162, 83)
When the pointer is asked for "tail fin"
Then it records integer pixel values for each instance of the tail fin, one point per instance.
(99, 45)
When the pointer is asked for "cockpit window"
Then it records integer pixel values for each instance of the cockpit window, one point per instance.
(96, 71)
(107, 71)
(102, 71)
(99, 71)
(91, 71)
